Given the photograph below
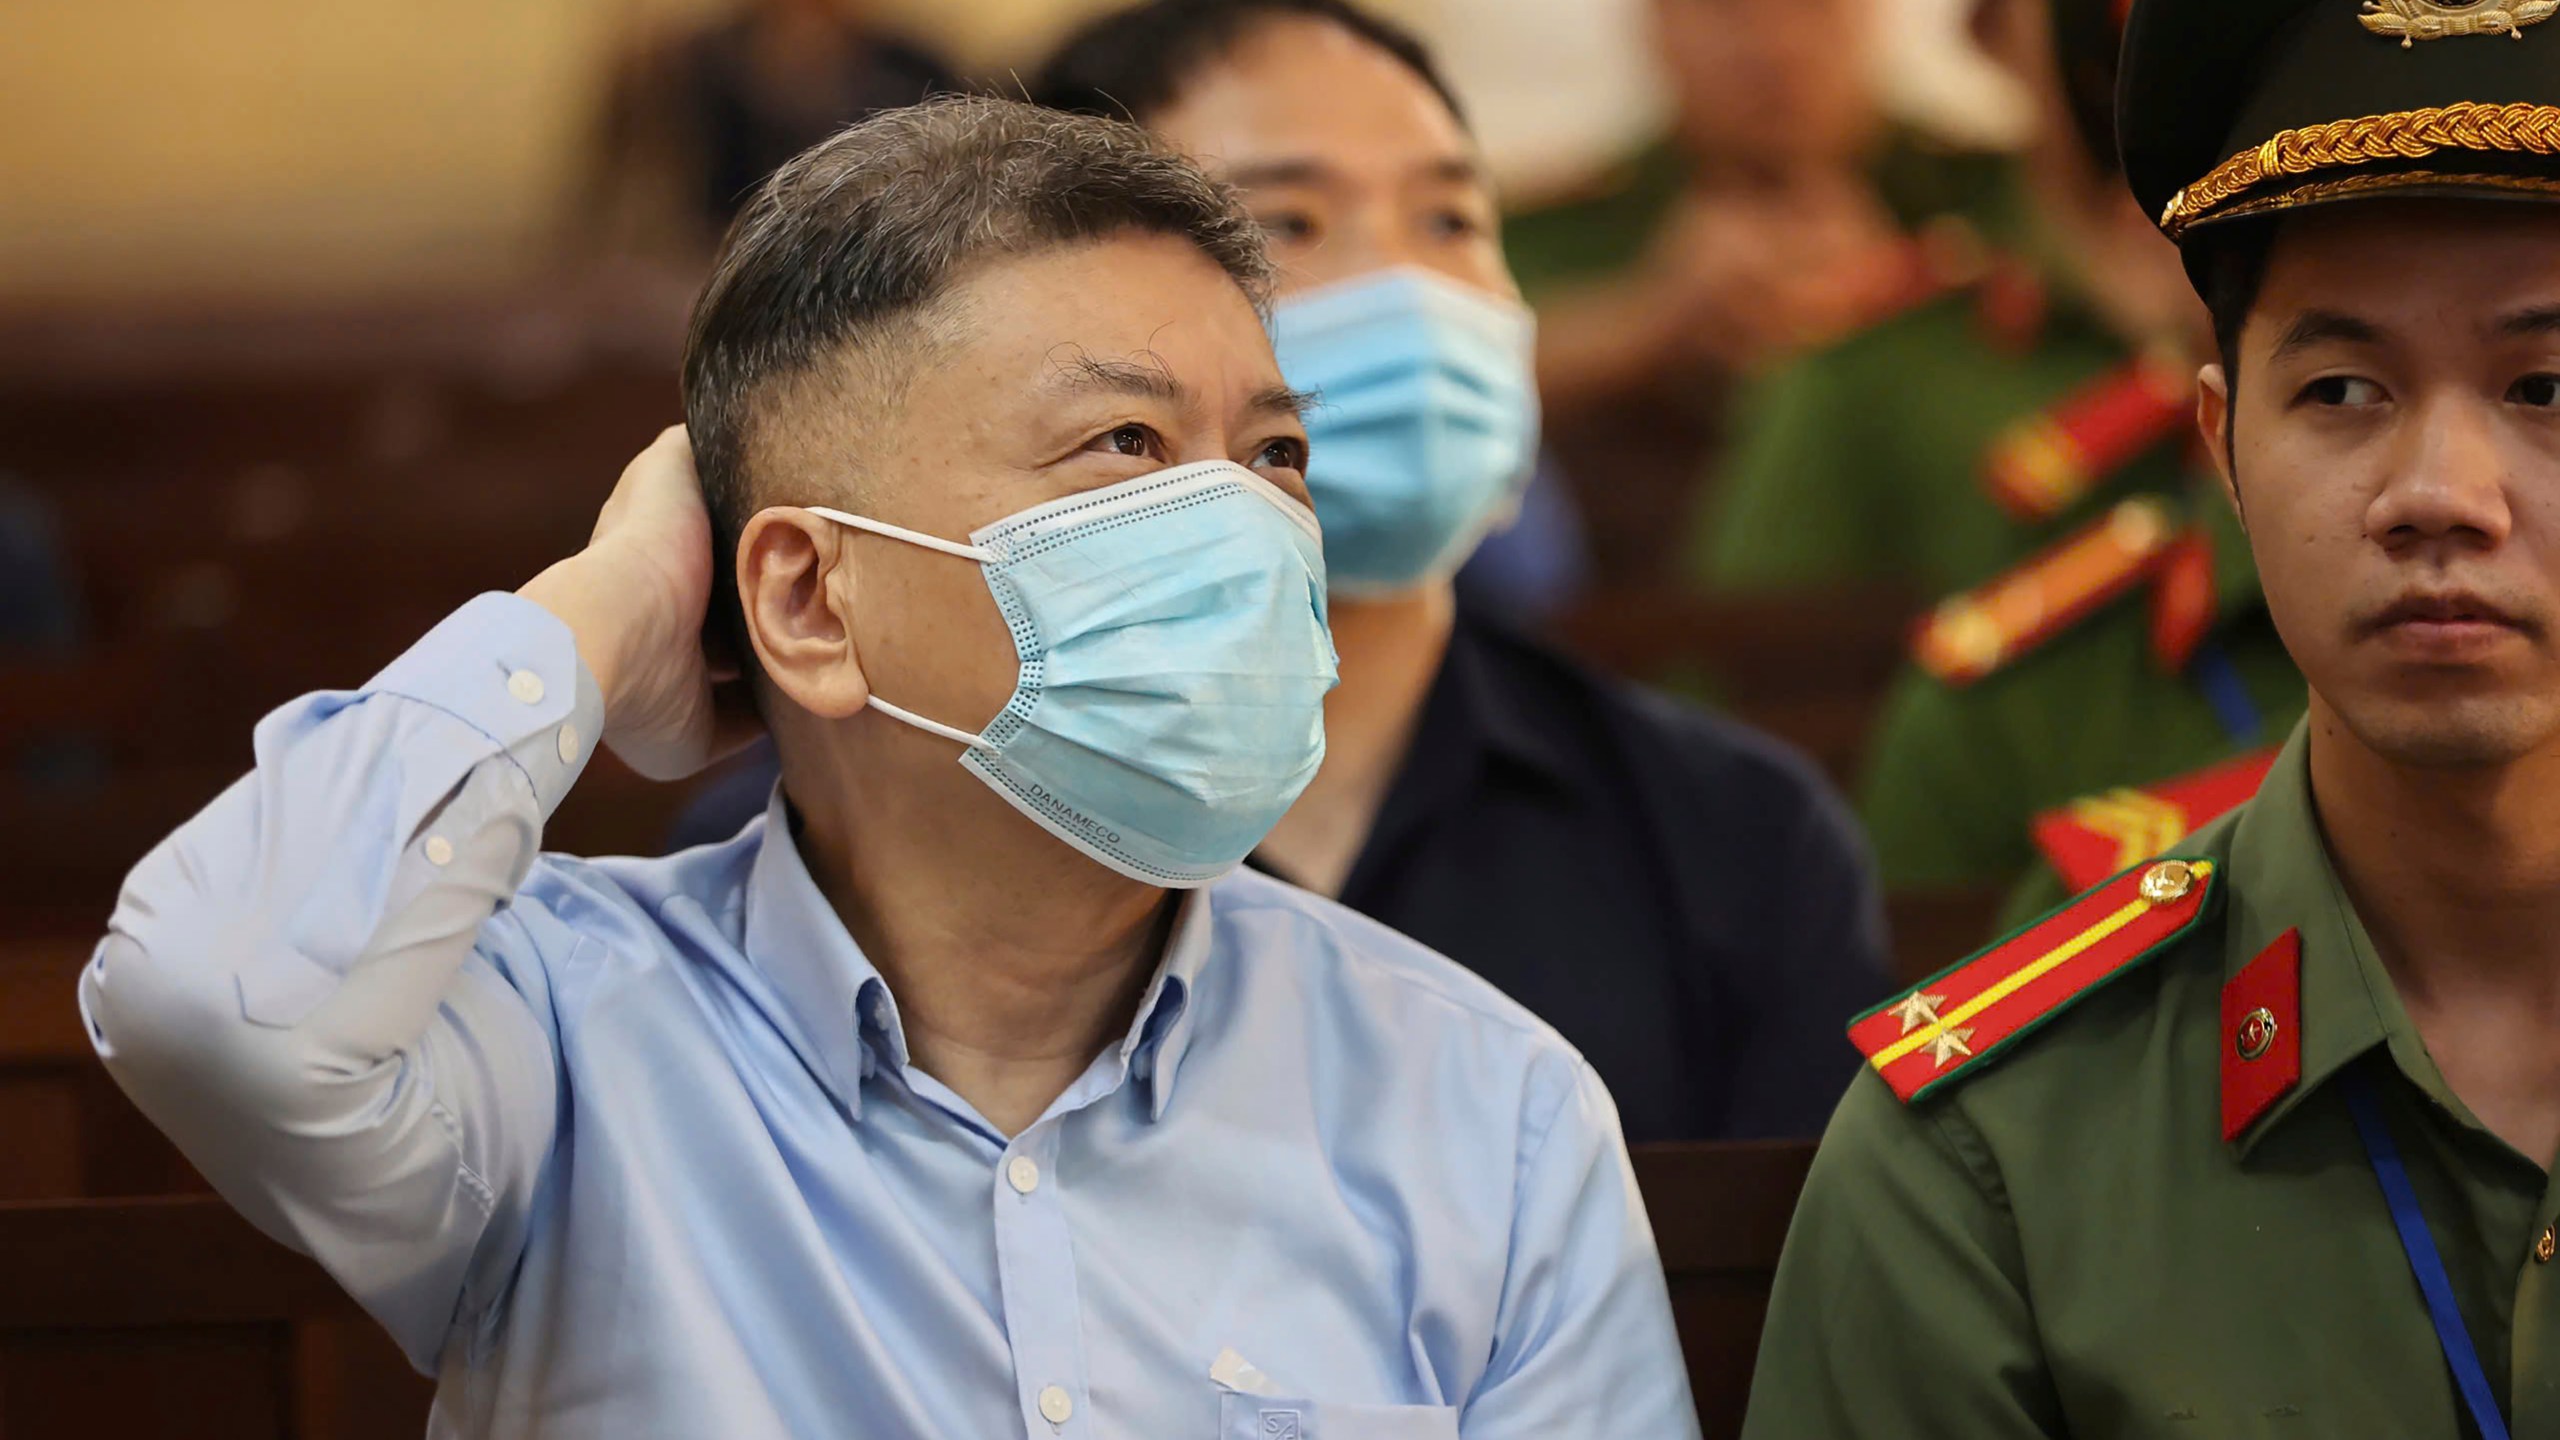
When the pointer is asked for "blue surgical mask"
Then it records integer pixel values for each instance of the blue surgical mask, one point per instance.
(1174, 660)
(1426, 422)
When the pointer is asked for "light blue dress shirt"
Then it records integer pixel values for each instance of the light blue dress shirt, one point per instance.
(629, 1148)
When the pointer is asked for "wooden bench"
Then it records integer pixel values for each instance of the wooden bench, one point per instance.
(1933, 930)
(170, 1317)
(71, 1133)
(1720, 1216)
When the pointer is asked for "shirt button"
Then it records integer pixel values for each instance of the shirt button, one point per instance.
(525, 686)
(1055, 1405)
(568, 744)
(440, 854)
(2548, 1245)
(1024, 1175)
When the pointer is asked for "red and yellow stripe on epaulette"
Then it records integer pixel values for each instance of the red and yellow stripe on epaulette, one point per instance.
(1975, 633)
(2092, 838)
(1964, 1016)
(2042, 465)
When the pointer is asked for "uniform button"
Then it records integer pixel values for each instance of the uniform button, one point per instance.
(1023, 1174)
(568, 744)
(525, 686)
(2167, 881)
(1056, 1405)
(439, 851)
(2548, 1245)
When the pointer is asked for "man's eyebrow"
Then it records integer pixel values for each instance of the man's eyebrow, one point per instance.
(1454, 170)
(1082, 374)
(1308, 170)
(1293, 170)
(1281, 400)
(2528, 323)
(2324, 327)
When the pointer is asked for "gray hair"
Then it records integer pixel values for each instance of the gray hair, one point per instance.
(863, 233)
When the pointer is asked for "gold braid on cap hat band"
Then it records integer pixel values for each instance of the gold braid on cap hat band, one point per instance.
(2518, 129)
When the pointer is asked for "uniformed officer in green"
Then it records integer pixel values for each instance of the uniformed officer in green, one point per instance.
(2256, 1140)
(1979, 452)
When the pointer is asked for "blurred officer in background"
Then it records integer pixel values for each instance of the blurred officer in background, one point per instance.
(2258, 1139)
(1775, 212)
(2020, 455)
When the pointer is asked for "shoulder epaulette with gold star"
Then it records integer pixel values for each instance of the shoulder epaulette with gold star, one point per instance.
(2094, 837)
(1974, 634)
(1962, 1017)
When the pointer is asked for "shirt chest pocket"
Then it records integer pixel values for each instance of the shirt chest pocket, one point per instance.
(1264, 1417)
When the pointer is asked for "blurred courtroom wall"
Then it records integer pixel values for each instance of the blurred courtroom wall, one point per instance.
(284, 147)
(260, 149)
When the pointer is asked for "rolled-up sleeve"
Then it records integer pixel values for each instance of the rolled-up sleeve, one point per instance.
(1585, 1343)
(312, 986)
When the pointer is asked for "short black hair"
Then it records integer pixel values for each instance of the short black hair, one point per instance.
(2230, 275)
(1132, 63)
(849, 246)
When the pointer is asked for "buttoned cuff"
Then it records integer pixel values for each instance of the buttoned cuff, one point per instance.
(509, 669)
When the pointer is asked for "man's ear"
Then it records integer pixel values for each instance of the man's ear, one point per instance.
(796, 586)
(2213, 426)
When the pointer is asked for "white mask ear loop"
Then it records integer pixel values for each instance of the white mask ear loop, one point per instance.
(901, 532)
(930, 542)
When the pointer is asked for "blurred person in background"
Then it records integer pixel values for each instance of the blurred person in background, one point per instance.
(1687, 902)
(691, 123)
(971, 1091)
(1776, 212)
(1682, 898)
(2020, 453)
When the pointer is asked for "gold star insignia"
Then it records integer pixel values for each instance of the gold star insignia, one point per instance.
(1948, 1045)
(1918, 1010)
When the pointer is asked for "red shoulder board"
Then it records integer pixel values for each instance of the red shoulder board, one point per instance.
(1973, 634)
(2043, 465)
(2092, 838)
(1964, 1016)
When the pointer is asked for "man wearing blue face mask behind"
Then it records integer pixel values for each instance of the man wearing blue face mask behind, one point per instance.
(1686, 901)
(968, 1091)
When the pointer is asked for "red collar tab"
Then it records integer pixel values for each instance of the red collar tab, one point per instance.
(2261, 1034)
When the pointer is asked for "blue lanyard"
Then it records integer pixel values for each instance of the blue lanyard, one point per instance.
(2227, 693)
(2421, 1247)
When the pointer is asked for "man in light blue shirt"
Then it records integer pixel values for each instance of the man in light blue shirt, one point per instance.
(950, 1100)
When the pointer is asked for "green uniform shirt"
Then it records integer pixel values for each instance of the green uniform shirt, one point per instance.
(2062, 1243)
(1609, 226)
(1863, 463)
(1955, 775)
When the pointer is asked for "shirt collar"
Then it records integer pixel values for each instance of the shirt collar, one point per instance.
(2281, 879)
(842, 1019)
